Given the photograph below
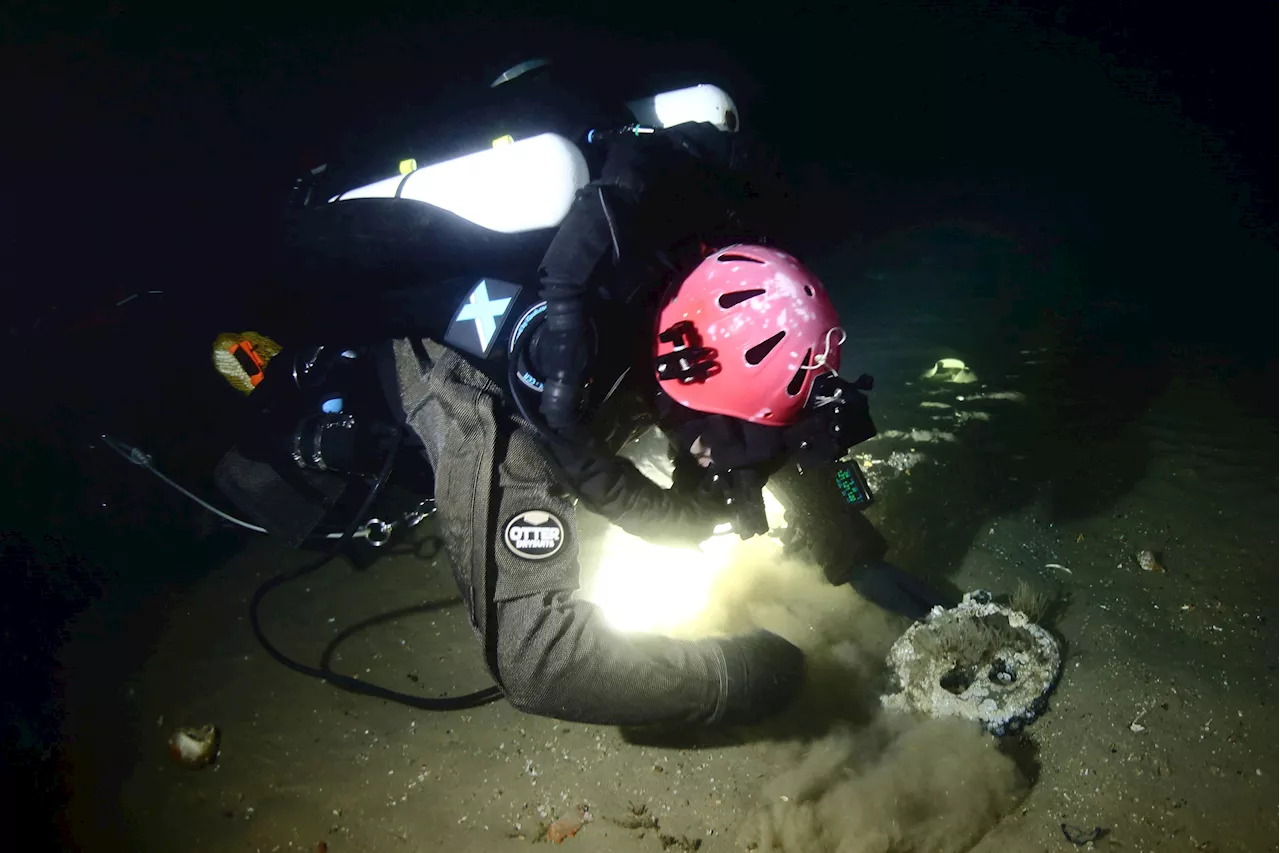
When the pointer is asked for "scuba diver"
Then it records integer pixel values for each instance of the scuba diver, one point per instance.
(519, 399)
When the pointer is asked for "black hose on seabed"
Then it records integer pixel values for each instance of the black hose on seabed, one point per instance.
(323, 672)
(346, 682)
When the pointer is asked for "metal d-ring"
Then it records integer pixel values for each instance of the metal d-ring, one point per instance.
(377, 532)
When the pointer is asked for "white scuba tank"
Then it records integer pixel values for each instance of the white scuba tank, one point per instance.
(519, 186)
(529, 184)
(703, 102)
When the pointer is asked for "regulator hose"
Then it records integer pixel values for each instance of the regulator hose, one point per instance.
(323, 672)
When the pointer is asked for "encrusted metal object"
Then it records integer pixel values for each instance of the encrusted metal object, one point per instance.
(980, 661)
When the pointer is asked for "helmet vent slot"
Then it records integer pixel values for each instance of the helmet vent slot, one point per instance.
(797, 381)
(728, 300)
(731, 257)
(756, 354)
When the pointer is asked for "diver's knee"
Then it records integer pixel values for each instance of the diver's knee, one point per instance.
(529, 697)
(531, 683)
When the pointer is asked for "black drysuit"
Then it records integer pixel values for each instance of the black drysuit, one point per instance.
(507, 512)
(506, 496)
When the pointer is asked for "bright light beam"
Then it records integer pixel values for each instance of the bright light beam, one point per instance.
(645, 587)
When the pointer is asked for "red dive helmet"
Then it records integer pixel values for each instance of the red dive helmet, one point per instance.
(745, 335)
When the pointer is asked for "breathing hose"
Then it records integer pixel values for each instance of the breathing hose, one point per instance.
(346, 682)
(342, 682)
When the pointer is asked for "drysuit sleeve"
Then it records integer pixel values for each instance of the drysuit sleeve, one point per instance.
(614, 488)
(654, 191)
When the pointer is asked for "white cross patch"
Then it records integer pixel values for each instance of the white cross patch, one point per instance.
(483, 310)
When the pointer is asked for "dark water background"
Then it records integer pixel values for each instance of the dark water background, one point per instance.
(972, 180)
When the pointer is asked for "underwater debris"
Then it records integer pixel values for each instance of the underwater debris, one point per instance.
(194, 747)
(903, 462)
(950, 370)
(1081, 837)
(1029, 600)
(1136, 726)
(567, 826)
(978, 661)
(921, 435)
(965, 641)
(638, 817)
(1150, 561)
(1016, 396)
(680, 843)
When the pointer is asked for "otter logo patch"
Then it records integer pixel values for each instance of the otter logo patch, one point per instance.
(534, 535)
